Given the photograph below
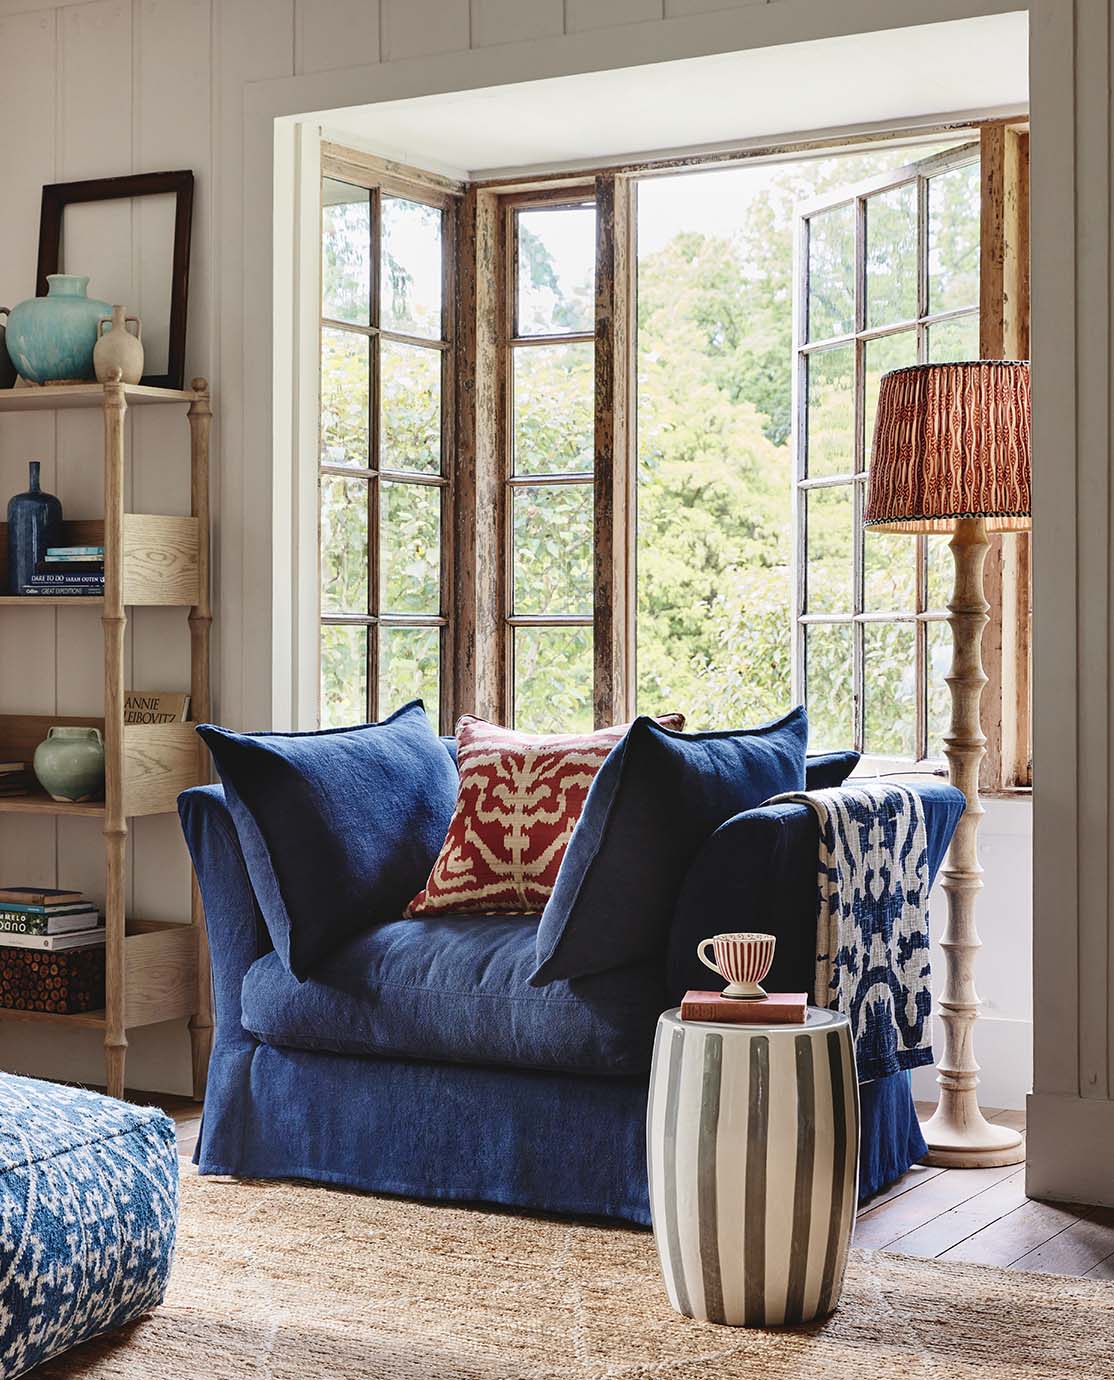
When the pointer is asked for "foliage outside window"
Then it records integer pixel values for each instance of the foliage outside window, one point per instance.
(385, 394)
(550, 344)
(888, 275)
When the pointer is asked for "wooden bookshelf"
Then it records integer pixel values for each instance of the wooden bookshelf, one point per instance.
(153, 971)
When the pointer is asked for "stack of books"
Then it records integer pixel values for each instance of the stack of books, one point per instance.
(69, 570)
(38, 918)
(15, 779)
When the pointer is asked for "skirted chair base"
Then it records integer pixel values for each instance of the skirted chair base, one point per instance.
(89, 1211)
(523, 1138)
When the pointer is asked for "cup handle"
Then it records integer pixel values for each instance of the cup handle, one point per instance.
(707, 962)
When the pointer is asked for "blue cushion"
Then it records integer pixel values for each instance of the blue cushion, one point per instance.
(824, 770)
(455, 988)
(338, 828)
(654, 801)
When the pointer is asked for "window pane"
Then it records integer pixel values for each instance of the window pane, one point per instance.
(409, 669)
(891, 256)
(890, 689)
(890, 352)
(410, 548)
(343, 544)
(343, 676)
(829, 696)
(553, 549)
(831, 273)
(554, 421)
(941, 572)
(553, 680)
(829, 545)
(831, 412)
(345, 252)
(889, 572)
(939, 696)
(345, 394)
(410, 408)
(556, 270)
(953, 239)
(410, 269)
(952, 341)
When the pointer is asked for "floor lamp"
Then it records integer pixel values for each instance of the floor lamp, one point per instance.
(951, 454)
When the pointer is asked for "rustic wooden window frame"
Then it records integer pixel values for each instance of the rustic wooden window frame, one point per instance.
(479, 625)
(1002, 154)
(511, 341)
(379, 177)
(857, 617)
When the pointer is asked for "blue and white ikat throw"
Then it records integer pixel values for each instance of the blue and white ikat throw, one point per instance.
(88, 1214)
(872, 957)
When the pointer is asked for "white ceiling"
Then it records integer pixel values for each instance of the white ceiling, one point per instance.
(963, 66)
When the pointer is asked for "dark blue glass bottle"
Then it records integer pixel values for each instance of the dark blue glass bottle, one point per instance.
(34, 523)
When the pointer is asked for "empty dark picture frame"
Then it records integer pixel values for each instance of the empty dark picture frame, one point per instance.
(58, 195)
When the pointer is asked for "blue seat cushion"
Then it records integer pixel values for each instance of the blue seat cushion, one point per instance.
(338, 828)
(454, 988)
(654, 801)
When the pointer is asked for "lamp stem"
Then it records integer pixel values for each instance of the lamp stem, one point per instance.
(958, 1134)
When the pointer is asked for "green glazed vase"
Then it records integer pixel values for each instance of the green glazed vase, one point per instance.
(50, 339)
(69, 763)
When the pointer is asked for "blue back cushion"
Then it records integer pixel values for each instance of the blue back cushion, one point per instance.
(654, 801)
(338, 828)
(825, 770)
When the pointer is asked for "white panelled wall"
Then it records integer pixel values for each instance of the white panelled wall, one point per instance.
(115, 86)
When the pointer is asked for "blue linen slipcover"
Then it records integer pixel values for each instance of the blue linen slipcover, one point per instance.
(88, 1215)
(443, 1101)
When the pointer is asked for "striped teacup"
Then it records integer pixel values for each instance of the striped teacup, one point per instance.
(743, 959)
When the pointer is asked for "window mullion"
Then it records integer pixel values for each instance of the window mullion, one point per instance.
(374, 459)
(859, 442)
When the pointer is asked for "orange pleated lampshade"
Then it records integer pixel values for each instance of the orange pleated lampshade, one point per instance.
(951, 441)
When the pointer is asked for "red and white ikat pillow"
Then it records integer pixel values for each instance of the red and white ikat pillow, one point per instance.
(519, 798)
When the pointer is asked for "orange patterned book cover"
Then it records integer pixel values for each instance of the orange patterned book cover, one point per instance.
(779, 1008)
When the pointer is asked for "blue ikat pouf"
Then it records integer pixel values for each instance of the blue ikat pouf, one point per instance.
(88, 1213)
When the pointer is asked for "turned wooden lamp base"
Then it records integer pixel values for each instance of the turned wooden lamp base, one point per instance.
(957, 1133)
(977, 1144)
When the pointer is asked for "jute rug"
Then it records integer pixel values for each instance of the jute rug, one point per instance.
(292, 1282)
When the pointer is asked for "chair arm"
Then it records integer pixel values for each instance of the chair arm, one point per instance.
(758, 872)
(237, 934)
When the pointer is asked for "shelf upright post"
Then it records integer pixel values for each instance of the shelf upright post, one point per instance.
(200, 619)
(114, 620)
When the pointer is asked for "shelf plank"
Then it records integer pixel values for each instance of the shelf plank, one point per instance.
(86, 1019)
(39, 803)
(25, 601)
(86, 395)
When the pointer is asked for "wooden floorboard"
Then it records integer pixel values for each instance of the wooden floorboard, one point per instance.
(983, 1216)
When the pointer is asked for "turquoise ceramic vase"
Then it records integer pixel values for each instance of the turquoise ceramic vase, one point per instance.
(50, 339)
(69, 763)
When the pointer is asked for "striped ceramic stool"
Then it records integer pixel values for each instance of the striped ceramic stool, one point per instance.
(753, 1153)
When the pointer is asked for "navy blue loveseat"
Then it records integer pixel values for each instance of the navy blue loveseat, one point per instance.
(417, 1060)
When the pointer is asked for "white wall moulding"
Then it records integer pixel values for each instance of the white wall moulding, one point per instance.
(1071, 1113)
(515, 21)
(1069, 1140)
